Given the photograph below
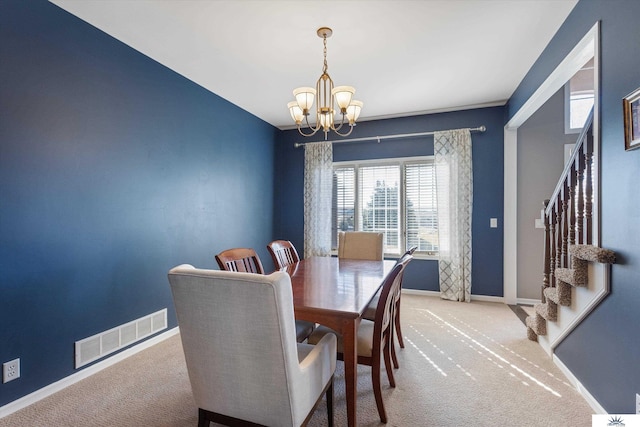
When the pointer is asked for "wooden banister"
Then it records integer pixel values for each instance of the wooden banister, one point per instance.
(568, 213)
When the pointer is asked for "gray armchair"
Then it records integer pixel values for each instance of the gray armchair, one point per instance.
(247, 260)
(239, 339)
(361, 245)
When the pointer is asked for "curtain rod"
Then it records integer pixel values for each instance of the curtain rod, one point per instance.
(380, 138)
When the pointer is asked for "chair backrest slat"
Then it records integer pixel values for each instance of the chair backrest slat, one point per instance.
(385, 308)
(283, 253)
(244, 260)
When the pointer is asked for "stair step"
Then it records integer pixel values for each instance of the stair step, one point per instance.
(537, 323)
(548, 310)
(531, 334)
(577, 276)
(560, 295)
(593, 254)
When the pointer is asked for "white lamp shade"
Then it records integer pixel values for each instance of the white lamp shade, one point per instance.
(343, 95)
(353, 111)
(304, 97)
(296, 112)
(326, 120)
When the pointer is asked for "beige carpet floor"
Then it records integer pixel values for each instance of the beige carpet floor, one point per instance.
(529, 309)
(464, 364)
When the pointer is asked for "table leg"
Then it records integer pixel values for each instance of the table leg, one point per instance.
(350, 356)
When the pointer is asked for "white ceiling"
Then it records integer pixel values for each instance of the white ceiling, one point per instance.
(403, 57)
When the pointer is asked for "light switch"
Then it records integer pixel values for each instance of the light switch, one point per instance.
(493, 222)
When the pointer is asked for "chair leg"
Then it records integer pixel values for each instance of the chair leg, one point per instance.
(203, 420)
(377, 388)
(397, 322)
(329, 397)
(386, 349)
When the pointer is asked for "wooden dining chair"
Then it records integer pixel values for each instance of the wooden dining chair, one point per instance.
(410, 251)
(361, 245)
(283, 253)
(243, 260)
(374, 337)
(246, 260)
(370, 312)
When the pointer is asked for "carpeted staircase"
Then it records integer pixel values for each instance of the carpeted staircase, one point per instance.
(566, 278)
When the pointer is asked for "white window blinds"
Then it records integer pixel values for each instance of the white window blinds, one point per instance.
(379, 203)
(420, 207)
(344, 201)
(394, 196)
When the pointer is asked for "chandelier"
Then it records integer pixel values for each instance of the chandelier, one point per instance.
(329, 98)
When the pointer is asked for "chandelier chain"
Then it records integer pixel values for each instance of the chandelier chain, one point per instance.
(324, 41)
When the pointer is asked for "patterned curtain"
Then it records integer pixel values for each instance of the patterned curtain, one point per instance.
(454, 193)
(318, 185)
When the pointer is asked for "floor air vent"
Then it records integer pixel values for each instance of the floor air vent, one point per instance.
(105, 343)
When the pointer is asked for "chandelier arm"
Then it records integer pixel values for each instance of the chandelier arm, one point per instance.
(344, 134)
(342, 122)
(307, 134)
(314, 130)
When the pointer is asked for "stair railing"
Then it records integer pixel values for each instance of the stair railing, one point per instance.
(568, 213)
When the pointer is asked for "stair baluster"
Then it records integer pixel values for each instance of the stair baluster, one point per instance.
(588, 203)
(580, 201)
(558, 208)
(552, 253)
(546, 279)
(564, 196)
(571, 187)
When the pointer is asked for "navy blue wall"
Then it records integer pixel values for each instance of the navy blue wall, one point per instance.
(113, 169)
(604, 350)
(487, 187)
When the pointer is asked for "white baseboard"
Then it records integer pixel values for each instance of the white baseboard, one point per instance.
(528, 301)
(420, 292)
(487, 298)
(437, 294)
(46, 391)
(597, 408)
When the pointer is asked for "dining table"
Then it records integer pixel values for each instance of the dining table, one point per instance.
(334, 292)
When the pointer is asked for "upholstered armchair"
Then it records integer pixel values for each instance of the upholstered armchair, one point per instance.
(247, 260)
(239, 339)
(360, 245)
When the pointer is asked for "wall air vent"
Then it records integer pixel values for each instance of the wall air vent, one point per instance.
(100, 345)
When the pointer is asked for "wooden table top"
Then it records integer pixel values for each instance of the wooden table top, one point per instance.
(342, 287)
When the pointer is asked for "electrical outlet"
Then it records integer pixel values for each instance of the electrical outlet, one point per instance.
(10, 370)
(637, 403)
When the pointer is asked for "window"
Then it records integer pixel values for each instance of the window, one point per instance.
(579, 95)
(393, 196)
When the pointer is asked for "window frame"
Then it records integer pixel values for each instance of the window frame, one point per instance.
(590, 94)
(392, 161)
